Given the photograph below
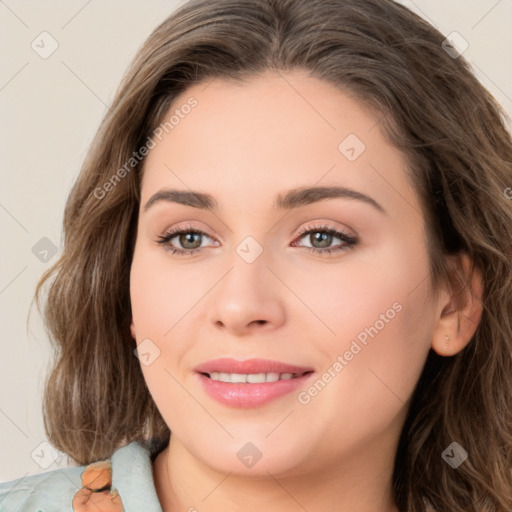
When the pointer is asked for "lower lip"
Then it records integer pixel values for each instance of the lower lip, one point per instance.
(246, 395)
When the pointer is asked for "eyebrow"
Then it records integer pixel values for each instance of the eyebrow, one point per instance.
(294, 198)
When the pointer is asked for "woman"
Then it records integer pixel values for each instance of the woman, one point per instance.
(290, 247)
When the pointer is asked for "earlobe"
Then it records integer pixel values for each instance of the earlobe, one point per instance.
(462, 311)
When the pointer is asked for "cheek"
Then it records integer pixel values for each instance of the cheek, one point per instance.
(159, 300)
(382, 317)
(160, 297)
(162, 293)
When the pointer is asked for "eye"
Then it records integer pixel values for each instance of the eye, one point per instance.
(320, 237)
(188, 237)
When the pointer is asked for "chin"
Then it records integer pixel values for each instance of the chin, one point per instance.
(252, 454)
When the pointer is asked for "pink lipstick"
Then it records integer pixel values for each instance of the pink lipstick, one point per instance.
(250, 383)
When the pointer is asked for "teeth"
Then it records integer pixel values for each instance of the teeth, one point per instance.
(252, 378)
(258, 378)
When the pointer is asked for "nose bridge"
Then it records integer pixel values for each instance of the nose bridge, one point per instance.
(248, 293)
(247, 280)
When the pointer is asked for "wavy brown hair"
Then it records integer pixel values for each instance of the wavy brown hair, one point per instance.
(459, 150)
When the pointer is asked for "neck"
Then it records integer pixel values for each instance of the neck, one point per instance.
(361, 483)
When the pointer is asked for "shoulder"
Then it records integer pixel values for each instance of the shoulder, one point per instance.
(124, 481)
(45, 492)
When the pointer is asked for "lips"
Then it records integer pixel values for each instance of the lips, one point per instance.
(250, 383)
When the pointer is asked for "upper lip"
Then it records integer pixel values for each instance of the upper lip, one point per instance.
(228, 365)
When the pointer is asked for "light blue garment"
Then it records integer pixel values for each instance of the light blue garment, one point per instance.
(53, 491)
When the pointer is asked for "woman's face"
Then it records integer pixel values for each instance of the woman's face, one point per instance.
(352, 326)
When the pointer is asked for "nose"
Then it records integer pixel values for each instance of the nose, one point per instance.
(249, 298)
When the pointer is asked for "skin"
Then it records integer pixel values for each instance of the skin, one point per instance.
(244, 144)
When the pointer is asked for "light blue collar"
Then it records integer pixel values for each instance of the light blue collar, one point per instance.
(132, 476)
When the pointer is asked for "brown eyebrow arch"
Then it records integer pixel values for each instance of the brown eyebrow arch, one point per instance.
(294, 198)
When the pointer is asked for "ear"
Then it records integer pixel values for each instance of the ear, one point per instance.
(132, 329)
(460, 307)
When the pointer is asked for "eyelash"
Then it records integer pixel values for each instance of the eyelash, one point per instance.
(350, 241)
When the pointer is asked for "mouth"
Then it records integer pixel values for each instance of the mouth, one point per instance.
(250, 383)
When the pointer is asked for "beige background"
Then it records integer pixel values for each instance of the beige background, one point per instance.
(50, 109)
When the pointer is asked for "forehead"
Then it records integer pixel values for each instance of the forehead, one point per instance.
(250, 141)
